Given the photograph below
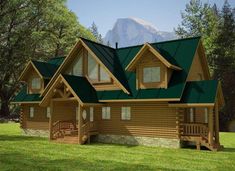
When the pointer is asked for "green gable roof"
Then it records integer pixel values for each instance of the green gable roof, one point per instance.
(22, 96)
(82, 88)
(179, 52)
(56, 60)
(200, 92)
(46, 70)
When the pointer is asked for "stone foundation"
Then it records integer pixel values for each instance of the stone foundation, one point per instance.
(132, 140)
(36, 132)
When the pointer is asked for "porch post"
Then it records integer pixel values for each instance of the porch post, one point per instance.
(51, 120)
(210, 125)
(79, 124)
(216, 123)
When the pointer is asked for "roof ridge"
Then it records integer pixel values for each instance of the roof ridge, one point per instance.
(44, 62)
(97, 43)
(160, 42)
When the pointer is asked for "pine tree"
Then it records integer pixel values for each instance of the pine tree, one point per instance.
(224, 61)
(95, 32)
(199, 20)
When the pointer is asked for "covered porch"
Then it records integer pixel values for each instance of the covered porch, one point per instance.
(197, 117)
(72, 115)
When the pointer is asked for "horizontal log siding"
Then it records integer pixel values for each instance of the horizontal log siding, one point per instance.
(147, 119)
(64, 111)
(39, 121)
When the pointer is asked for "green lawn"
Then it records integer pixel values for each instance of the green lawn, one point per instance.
(31, 153)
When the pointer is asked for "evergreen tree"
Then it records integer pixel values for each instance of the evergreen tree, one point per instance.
(199, 20)
(224, 61)
(95, 32)
(35, 29)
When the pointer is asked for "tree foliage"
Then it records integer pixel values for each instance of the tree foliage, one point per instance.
(32, 29)
(95, 32)
(217, 29)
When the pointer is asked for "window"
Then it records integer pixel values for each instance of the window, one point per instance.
(105, 112)
(151, 74)
(31, 112)
(77, 68)
(76, 113)
(36, 83)
(206, 115)
(191, 115)
(92, 68)
(91, 114)
(48, 112)
(126, 113)
(104, 76)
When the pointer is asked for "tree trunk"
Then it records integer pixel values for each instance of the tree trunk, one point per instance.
(4, 111)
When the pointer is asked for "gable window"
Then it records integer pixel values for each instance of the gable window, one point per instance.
(126, 113)
(91, 114)
(77, 68)
(92, 68)
(96, 72)
(36, 83)
(48, 112)
(106, 113)
(151, 74)
(31, 112)
(191, 115)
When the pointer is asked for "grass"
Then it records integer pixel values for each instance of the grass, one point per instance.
(33, 153)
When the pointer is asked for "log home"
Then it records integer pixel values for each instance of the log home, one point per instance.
(157, 94)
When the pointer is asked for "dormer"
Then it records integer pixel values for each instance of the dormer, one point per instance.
(152, 69)
(33, 78)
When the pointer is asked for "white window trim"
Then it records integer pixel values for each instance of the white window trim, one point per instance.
(31, 112)
(126, 113)
(106, 113)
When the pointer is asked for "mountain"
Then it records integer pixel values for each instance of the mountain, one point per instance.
(134, 31)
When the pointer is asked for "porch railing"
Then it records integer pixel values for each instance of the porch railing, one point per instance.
(59, 127)
(194, 129)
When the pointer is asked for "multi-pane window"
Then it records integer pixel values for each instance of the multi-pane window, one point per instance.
(126, 113)
(31, 112)
(96, 72)
(36, 83)
(91, 114)
(48, 112)
(151, 74)
(105, 112)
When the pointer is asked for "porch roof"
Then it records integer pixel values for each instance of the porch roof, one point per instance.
(199, 92)
(82, 88)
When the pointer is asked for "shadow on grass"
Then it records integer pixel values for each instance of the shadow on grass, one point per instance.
(228, 149)
(19, 138)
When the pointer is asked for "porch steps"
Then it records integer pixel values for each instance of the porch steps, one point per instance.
(67, 140)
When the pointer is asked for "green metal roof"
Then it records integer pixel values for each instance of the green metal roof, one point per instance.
(179, 52)
(23, 96)
(47, 70)
(200, 92)
(82, 88)
(56, 60)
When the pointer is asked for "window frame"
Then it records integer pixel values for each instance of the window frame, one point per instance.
(192, 115)
(91, 112)
(124, 109)
(33, 83)
(106, 113)
(48, 112)
(206, 115)
(31, 112)
(151, 80)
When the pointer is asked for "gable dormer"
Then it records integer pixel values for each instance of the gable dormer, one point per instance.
(152, 69)
(33, 78)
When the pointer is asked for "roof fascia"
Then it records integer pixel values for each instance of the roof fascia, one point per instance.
(147, 46)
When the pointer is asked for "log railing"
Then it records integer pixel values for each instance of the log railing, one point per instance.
(59, 127)
(194, 129)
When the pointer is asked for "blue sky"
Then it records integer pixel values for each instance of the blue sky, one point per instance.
(163, 14)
